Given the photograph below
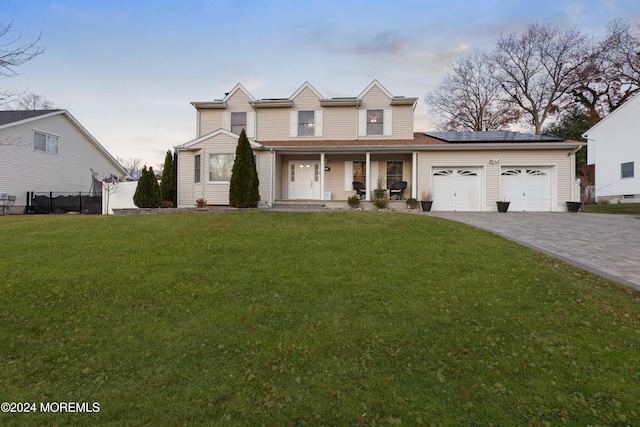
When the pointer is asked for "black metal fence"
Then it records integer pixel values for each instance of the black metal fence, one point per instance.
(63, 202)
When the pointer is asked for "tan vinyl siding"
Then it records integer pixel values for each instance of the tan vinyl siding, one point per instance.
(188, 192)
(272, 124)
(211, 119)
(402, 122)
(263, 166)
(24, 169)
(306, 100)
(340, 123)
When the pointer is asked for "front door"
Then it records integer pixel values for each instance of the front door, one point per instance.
(304, 180)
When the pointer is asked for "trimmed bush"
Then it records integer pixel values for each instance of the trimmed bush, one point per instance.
(147, 193)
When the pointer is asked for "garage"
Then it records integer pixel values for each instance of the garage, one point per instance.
(527, 188)
(456, 189)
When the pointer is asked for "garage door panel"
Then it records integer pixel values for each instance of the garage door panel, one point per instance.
(456, 189)
(528, 189)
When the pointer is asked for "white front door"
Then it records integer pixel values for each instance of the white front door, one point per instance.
(528, 189)
(456, 189)
(304, 180)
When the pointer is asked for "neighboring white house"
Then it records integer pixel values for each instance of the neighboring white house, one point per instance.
(49, 150)
(312, 148)
(614, 149)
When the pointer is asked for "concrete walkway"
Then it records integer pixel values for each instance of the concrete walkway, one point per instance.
(607, 245)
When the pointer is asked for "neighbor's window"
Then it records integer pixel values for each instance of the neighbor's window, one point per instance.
(360, 172)
(46, 143)
(375, 122)
(626, 170)
(394, 173)
(220, 166)
(196, 168)
(238, 122)
(306, 122)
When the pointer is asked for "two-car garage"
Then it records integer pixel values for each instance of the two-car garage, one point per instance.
(461, 188)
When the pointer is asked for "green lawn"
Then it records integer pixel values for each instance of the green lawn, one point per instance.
(332, 318)
(614, 208)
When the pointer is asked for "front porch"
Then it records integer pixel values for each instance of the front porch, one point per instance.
(326, 179)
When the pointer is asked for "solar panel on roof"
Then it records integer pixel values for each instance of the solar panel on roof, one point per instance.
(491, 136)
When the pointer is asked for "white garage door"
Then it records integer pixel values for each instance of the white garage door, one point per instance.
(456, 189)
(528, 189)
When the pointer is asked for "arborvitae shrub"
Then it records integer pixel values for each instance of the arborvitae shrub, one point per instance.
(168, 185)
(243, 188)
(147, 193)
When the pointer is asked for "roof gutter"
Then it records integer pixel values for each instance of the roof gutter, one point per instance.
(427, 147)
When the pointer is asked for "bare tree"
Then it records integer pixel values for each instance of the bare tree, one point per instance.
(33, 101)
(536, 69)
(132, 166)
(469, 98)
(624, 41)
(13, 53)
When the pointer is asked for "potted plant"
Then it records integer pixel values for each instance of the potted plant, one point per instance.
(574, 206)
(503, 206)
(412, 203)
(426, 201)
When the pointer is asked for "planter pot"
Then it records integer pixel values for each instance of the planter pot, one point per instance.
(426, 205)
(503, 206)
(574, 206)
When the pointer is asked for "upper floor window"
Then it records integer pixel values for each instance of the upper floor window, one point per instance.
(626, 170)
(375, 122)
(306, 122)
(196, 169)
(220, 167)
(46, 143)
(238, 122)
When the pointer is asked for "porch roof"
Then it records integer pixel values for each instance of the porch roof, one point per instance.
(421, 141)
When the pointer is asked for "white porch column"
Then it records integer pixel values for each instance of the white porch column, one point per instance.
(273, 178)
(414, 175)
(368, 183)
(321, 176)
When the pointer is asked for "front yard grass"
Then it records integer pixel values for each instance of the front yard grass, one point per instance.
(331, 318)
(614, 208)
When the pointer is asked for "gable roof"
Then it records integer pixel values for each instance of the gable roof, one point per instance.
(14, 118)
(634, 98)
(492, 136)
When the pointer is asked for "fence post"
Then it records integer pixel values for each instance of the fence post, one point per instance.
(80, 200)
(50, 202)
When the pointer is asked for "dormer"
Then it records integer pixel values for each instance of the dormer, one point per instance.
(376, 112)
(232, 113)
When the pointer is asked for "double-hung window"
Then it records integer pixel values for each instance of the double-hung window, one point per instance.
(306, 123)
(220, 167)
(626, 170)
(360, 172)
(46, 143)
(375, 122)
(238, 122)
(196, 169)
(394, 173)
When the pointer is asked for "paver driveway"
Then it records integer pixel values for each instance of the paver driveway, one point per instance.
(608, 245)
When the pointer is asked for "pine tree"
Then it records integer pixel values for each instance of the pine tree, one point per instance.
(147, 193)
(168, 185)
(243, 189)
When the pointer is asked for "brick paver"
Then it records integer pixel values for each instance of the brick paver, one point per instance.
(608, 245)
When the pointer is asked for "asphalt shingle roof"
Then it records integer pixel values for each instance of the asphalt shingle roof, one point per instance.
(7, 117)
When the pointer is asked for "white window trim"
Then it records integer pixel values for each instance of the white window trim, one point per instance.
(209, 168)
(387, 122)
(46, 143)
(317, 124)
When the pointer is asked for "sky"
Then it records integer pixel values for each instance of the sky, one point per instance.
(128, 70)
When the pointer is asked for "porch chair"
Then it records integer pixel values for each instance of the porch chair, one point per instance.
(397, 189)
(360, 190)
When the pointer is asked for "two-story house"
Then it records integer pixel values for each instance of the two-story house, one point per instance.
(309, 147)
